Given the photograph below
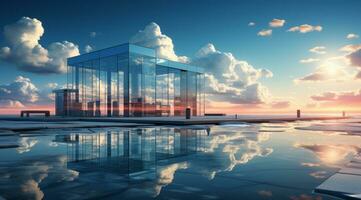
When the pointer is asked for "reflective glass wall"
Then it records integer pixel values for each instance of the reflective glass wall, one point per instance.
(134, 84)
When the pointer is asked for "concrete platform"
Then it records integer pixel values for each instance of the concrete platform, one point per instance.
(27, 125)
(346, 183)
(179, 120)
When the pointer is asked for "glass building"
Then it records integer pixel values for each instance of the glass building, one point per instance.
(131, 81)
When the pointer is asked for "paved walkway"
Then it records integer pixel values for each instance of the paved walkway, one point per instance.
(346, 183)
(175, 120)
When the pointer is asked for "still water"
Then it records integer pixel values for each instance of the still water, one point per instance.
(231, 161)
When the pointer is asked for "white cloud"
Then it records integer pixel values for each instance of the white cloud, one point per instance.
(328, 71)
(358, 75)
(52, 85)
(93, 34)
(229, 79)
(7, 103)
(251, 24)
(352, 36)
(26, 53)
(25, 180)
(22, 90)
(305, 28)
(88, 48)
(350, 48)
(309, 60)
(277, 23)
(265, 32)
(318, 50)
(355, 58)
(152, 37)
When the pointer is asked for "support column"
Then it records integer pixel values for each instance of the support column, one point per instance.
(109, 144)
(109, 93)
(126, 92)
(77, 84)
(126, 143)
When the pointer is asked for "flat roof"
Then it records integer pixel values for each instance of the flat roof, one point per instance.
(132, 48)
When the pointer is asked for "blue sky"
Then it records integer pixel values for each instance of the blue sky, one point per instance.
(193, 24)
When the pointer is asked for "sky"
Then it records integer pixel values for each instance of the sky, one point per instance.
(259, 56)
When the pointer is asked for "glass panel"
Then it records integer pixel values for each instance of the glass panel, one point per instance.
(123, 75)
(135, 86)
(162, 92)
(200, 108)
(192, 92)
(174, 92)
(108, 67)
(183, 92)
(149, 86)
(88, 87)
(96, 86)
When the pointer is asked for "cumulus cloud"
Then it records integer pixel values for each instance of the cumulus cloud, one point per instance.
(358, 75)
(326, 73)
(251, 24)
(88, 48)
(350, 48)
(265, 32)
(309, 60)
(355, 58)
(305, 28)
(318, 50)
(22, 92)
(315, 76)
(352, 36)
(7, 103)
(277, 23)
(26, 53)
(153, 37)
(339, 98)
(331, 69)
(229, 79)
(327, 96)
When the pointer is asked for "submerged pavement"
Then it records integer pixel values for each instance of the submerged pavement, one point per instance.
(9, 122)
(346, 183)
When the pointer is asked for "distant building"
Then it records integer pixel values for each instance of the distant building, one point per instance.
(63, 101)
(131, 81)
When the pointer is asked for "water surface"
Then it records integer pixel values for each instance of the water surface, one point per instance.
(248, 161)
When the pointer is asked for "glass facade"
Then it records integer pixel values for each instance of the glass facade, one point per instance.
(129, 80)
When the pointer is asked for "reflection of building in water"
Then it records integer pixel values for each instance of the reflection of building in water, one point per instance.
(131, 151)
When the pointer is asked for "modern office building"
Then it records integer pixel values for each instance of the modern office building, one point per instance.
(131, 81)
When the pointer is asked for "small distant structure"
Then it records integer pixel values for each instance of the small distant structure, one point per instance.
(343, 114)
(64, 105)
(298, 113)
(188, 113)
(214, 114)
(28, 112)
